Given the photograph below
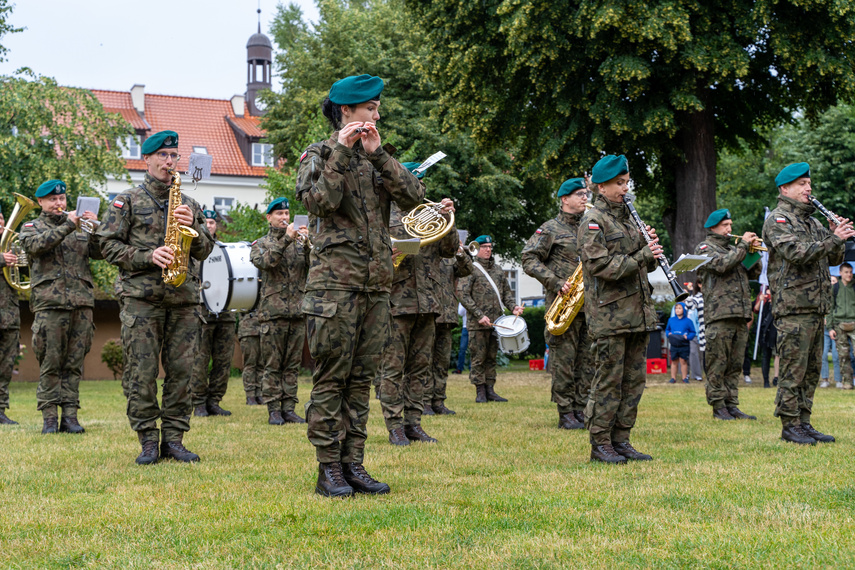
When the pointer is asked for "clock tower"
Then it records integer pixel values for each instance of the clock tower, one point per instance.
(259, 59)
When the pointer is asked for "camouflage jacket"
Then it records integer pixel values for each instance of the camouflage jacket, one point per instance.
(248, 325)
(551, 255)
(414, 284)
(725, 279)
(615, 260)
(800, 251)
(842, 304)
(59, 255)
(348, 194)
(478, 296)
(283, 263)
(133, 226)
(10, 314)
(450, 271)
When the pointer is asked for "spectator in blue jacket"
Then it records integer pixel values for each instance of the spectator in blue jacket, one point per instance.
(680, 331)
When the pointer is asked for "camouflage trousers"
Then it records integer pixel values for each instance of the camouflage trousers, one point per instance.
(726, 342)
(61, 340)
(407, 369)
(171, 335)
(800, 339)
(844, 342)
(281, 352)
(216, 348)
(250, 347)
(617, 387)
(483, 347)
(9, 340)
(442, 341)
(571, 364)
(347, 331)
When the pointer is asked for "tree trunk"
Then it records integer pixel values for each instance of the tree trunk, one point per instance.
(695, 182)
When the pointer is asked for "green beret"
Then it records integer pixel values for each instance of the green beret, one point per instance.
(277, 204)
(157, 141)
(210, 214)
(792, 172)
(484, 239)
(570, 186)
(50, 187)
(717, 217)
(411, 166)
(356, 89)
(609, 167)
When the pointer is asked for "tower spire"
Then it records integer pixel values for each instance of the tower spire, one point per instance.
(259, 16)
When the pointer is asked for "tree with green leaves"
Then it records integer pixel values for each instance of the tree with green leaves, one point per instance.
(666, 82)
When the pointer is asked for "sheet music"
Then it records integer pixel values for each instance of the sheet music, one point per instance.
(462, 235)
(87, 203)
(199, 167)
(688, 262)
(409, 246)
(432, 159)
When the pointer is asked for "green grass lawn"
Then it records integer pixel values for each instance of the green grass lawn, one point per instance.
(503, 487)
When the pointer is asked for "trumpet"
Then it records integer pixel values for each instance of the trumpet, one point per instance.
(754, 246)
(88, 226)
(473, 248)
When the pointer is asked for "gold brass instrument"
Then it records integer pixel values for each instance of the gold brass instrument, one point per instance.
(566, 306)
(83, 224)
(753, 247)
(473, 248)
(16, 275)
(178, 237)
(426, 223)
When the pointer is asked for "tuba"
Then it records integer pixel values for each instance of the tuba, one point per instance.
(178, 237)
(426, 223)
(9, 244)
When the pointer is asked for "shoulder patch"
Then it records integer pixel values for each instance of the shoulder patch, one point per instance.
(29, 225)
(703, 246)
(539, 231)
(118, 204)
(593, 226)
(302, 156)
(781, 220)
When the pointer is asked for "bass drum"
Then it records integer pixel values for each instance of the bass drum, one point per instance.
(513, 334)
(230, 282)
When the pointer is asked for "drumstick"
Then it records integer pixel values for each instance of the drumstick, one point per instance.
(501, 326)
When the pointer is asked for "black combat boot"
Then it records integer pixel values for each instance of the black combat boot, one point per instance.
(251, 401)
(606, 454)
(428, 411)
(480, 394)
(398, 437)
(5, 420)
(739, 414)
(216, 410)
(492, 396)
(722, 414)
(817, 435)
(149, 455)
(796, 434)
(201, 412)
(628, 451)
(358, 478)
(51, 425)
(580, 415)
(70, 425)
(440, 409)
(569, 421)
(331, 481)
(416, 433)
(290, 417)
(177, 451)
(276, 418)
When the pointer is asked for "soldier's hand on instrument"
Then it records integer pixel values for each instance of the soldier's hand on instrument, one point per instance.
(518, 310)
(163, 256)
(183, 215)
(656, 249)
(87, 215)
(485, 321)
(348, 135)
(75, 219)
(447, 206)
(370, 138)
(566, 287)
(290, 231)
(844, 231)
(832, 334)
(10, 258)
(749, 237)
(651, 231)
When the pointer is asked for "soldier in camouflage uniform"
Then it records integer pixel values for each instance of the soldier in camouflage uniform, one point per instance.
(551, 257)
(800, 251)
(216, 348)
(61, 298)
(249, 335)
(727, 310)
(841, 322)
(283, 261)
(483, 307)
(159, 321)
(10, 326)
(348, 184)
(450, 271)
(619, 310)
(415, 306)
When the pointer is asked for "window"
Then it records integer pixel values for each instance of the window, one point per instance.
(200, 149)
(262, 154)
(511, 275)
(223, 205)
(130, 147)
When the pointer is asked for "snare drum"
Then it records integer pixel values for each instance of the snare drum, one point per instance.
(513, 334)
(230, 281)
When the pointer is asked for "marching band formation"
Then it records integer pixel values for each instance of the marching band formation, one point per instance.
(376, 309)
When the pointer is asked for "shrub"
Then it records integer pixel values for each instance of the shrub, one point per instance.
(111, 355)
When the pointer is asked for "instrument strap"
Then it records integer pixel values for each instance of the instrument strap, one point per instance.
(492, 284)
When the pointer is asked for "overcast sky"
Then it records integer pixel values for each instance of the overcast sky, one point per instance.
(182, 47)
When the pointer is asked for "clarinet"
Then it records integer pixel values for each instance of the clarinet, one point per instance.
(825, 211)
(679, 292)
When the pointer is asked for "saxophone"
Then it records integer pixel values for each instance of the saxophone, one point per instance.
(565, 307)
(178, 237)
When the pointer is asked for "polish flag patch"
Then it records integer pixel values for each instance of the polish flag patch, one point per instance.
(29, 225)
(703, 246)
(119, 204)
(539, 231)
(302, 156)
(253, 243)
(781, 220)
(593, 226)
